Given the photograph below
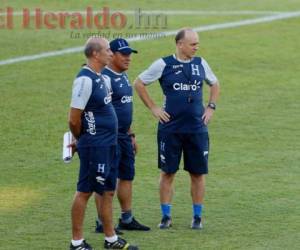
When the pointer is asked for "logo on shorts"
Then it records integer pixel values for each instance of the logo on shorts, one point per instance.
(100, 179)
(101, 168)
(205, 153)
(162, 158)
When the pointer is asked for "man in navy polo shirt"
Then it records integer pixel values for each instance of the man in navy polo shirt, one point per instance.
(93, 122)
(182, 120)
(122, 102)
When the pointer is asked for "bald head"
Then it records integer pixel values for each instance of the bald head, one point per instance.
(97, 52)
(94, 44)
(183, 33)
(187, 42)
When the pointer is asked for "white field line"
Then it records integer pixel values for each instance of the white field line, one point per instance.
(165, 12)
(161, 34)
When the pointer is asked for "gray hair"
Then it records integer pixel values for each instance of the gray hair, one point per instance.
(181, 34)
(91, 46)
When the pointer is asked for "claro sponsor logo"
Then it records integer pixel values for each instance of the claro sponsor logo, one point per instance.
(107, 99)
(126, 99)
(187, 87)
(89, 117)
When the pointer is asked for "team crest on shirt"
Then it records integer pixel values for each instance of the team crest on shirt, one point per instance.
(195, 69)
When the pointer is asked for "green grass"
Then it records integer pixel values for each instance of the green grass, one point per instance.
(252, 199)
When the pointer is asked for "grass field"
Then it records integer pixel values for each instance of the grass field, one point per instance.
(253, 189)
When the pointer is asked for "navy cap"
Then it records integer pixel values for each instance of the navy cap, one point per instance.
(122, 46)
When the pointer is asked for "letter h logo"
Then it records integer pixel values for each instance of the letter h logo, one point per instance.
(195, 69)
(122, 44)
(101, 168)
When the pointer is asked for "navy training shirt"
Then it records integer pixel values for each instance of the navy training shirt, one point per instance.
(181, 83)
(121, 98)
(91, 93)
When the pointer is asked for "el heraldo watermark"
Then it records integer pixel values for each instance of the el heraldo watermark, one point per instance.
(105, 18)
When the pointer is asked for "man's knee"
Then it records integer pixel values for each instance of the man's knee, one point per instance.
(197, 178)
(82, 195)
(167, 177)
(108, 195)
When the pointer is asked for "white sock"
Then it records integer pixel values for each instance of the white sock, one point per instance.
(76, 243)
(112, 238)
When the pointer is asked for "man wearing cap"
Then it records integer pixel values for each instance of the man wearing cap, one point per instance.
(127, 147)
(183, 119)
(93, 122)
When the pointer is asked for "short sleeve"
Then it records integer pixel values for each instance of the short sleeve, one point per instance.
(81, 92)
(210, 77)
(154, 72)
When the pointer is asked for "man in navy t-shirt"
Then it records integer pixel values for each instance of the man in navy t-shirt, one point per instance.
(183, 119)
(93, 122)
(122, 102)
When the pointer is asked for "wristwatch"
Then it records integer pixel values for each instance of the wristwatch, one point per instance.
(212, 105)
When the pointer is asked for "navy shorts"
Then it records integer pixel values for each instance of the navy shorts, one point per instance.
(194, 146)
(125, 158)
(98, 169)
